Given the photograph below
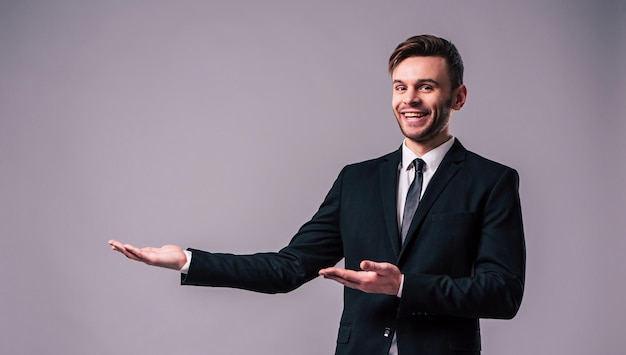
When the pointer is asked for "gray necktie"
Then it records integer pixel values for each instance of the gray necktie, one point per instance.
(412, 197)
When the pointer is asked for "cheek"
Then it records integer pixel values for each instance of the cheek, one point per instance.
(438, 106)
(394, 102)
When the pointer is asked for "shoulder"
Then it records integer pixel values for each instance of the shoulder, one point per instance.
(489, 171)
(478, 167)
(392, 158)
(474, 160)
(480, 161)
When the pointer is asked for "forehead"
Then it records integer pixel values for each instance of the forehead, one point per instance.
(417, 68)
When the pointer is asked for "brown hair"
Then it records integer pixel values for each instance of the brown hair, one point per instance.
(430, 46)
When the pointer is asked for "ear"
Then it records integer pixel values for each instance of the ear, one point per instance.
(458, 97)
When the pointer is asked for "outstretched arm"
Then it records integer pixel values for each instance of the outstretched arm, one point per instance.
(167, 256)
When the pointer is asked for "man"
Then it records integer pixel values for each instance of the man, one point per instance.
(430, 245)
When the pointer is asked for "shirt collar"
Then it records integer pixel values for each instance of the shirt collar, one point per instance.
(432, 159)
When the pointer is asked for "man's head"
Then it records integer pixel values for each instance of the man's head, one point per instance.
(427, 75)
(430, 46)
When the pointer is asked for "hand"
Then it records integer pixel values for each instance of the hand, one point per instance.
(383, 278)
(167, 256)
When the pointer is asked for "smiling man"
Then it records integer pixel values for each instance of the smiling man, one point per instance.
(431, 233)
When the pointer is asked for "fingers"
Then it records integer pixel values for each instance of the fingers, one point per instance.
(337, 273)
(379, 268)
(345, 277)
(128, 250)
(383, 278)
(366, 265)
(115, 245)
(134, 252)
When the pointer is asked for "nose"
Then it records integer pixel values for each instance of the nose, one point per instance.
(411, 97)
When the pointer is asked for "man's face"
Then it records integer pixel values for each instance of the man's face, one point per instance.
(423, 100)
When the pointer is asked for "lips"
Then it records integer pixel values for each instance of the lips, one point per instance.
(414, 115)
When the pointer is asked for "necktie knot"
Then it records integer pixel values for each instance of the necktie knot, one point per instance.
(418, 164)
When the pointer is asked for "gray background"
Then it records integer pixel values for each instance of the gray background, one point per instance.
(161, 122)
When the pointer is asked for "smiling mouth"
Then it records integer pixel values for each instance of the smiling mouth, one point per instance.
(414, 115)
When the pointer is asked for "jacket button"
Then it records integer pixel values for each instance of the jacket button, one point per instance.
(387, 332)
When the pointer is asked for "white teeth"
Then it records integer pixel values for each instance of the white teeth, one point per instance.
(414, 114)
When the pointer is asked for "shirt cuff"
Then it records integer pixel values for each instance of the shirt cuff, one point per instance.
(401, 287)
(185, 268)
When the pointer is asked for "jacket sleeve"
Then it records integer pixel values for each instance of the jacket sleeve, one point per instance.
(496, 285)
(315, 246)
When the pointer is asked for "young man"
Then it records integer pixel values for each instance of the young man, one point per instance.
(431, 234)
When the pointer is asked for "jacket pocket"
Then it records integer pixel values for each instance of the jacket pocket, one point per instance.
(465, 341)
(344, 334)
(461, 217)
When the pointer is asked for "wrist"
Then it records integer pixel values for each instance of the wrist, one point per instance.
(184, 268)
(399, 294)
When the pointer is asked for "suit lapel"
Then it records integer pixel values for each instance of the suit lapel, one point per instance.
(389, 187)
(449, 166)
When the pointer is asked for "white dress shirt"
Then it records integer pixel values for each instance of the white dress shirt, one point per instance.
(432, 160)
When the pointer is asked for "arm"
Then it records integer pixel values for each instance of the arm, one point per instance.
(316, 245)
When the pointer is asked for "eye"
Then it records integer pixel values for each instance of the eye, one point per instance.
(426, 88)
(400, 88)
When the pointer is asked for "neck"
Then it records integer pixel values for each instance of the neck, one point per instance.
(421, 148)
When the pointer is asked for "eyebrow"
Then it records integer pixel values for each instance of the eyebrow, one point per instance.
(420, 81)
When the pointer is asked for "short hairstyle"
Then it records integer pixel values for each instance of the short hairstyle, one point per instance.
(430, 46)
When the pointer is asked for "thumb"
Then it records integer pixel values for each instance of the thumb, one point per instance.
(367, 265)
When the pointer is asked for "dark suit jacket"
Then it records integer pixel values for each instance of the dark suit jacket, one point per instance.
(463, 259)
